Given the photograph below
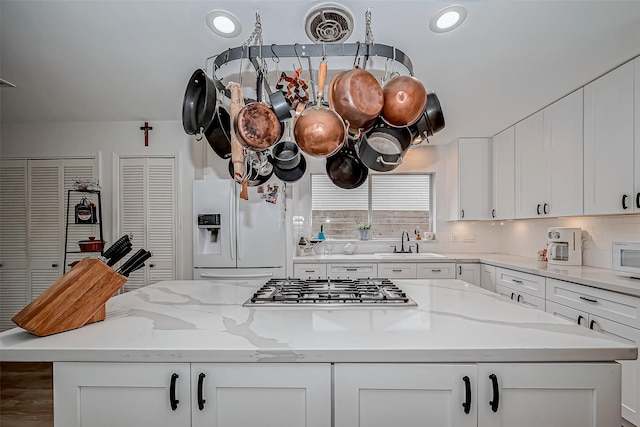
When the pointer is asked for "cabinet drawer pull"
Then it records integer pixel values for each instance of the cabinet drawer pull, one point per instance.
(496, 393)
(397, 270)
(512, 295)
(467, 394)
(309, 271)
(580, 317)
(172, 392)
(519, 296)
(624, 201)
(352, 269)
(588, 299)
(436, 270)
(201, 400)
(516, 281)
(592, 324)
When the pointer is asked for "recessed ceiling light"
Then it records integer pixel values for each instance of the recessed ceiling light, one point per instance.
(447, 19)
(224, 23)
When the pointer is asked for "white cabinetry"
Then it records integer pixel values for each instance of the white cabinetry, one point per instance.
(533, 395)
(488, 277)
(523, 395)
(503, 178)
(148, 208)
(310, 271)
(352, 270)
(375, 395)
(469, 272)
(121, 394)
(636, 201)
(609, 143)
(396, 270)
(253, 394)
(607, 312)
(525, 288)
(469, 177)
(436, 270)
(563, 134)
(533, 182)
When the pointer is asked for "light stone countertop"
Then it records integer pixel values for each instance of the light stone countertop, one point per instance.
(590, 276)
(204, 321)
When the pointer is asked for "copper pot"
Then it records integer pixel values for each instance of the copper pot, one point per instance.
(91, 245)
(357, 97)
(318, 130)
(405, 99)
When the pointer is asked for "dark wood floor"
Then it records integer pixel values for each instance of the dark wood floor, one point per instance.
(26, 394)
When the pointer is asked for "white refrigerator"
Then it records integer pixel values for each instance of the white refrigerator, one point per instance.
(237, 238)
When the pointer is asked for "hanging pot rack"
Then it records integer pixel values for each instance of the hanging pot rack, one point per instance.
(256, 53)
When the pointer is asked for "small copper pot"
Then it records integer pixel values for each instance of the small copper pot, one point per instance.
(405, 99)
(357, 97)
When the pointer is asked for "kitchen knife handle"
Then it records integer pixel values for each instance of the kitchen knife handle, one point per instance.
(172, 392)
(496, 393)
(467, 394)
(201, 400)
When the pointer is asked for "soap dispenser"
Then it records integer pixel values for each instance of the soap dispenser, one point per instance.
(321, 233)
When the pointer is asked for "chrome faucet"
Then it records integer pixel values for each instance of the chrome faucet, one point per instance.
(402, 242)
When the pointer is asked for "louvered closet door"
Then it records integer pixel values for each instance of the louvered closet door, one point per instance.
(148, 210)
(13, 244)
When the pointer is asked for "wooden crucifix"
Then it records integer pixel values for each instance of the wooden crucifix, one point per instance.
(146, 128)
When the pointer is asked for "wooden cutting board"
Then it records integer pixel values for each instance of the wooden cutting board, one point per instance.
(74, 300)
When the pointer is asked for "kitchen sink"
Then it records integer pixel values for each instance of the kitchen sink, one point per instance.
(411, 255)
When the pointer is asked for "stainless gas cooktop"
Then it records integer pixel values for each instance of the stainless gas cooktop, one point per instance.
(329, 293)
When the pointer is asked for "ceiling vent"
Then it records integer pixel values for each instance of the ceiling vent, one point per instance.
(329, 23)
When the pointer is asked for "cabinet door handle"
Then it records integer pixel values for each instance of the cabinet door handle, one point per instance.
(592, 324)
(493, 212)
(460, 270)
(638, 200)
(496, 393)
(151, 265)
(462, 213)
(512, 295)
(467, 394)
(433, 270)
(624, 201)
(201, 400)
(519, 296)
(352, 269)
(544, 208)
(516, 281)
(538, 208)
(172, 392)
(580, 317)
(588, 299)
(54, 265)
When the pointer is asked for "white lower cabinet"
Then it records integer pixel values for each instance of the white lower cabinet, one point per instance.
(488, 277)
(121, 394)
(550, 395)
(253, 394)
(375, 395)
(436, 270)
(352, 271)
(310, 271)
(397, 270)
(469, 272)
(521, 297)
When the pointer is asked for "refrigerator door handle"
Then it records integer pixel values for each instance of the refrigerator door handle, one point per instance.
(232, 224)
(235, 276)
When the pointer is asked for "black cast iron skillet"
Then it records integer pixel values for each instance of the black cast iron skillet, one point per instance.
(199, 105)
(218, 134)
(345, 169)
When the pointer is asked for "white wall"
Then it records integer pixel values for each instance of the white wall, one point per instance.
(104, 140)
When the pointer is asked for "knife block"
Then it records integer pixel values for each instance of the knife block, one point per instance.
(74, 300)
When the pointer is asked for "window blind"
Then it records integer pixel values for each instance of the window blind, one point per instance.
(325, 195)
(400, 192)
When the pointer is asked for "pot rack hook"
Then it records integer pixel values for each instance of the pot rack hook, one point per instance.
(324, 52)
(295, 50)
(357, 53)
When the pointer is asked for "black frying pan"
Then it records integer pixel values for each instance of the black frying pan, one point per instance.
(218, 134)
(199, 105)
(345, 169)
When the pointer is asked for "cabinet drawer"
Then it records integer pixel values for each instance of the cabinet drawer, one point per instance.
(394, 270)
(436, 270)
(521, 297)
(310, 271)
(523, 282)
(352, 271)
(624, 309)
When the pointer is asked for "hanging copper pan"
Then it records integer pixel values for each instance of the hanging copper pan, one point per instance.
(405, 99)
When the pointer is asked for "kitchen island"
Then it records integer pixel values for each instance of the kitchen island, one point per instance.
(461, 348)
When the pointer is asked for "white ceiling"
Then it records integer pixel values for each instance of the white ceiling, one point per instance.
(115, 60)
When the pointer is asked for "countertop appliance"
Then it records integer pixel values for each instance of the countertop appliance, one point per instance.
(236, 238)
(565, 246)
(626, 258)
(332, 293)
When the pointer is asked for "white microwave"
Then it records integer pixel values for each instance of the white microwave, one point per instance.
(626, 258)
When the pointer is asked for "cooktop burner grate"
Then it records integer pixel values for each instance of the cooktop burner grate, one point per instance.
(329, 292)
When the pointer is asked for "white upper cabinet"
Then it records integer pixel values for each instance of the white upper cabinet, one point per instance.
(503, 179)
(636, 200)
(609, 143)
(533, 180)
(469, 177)
(563, 133)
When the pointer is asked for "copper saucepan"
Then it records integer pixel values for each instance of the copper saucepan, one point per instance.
(405, 99)
(318, 130)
